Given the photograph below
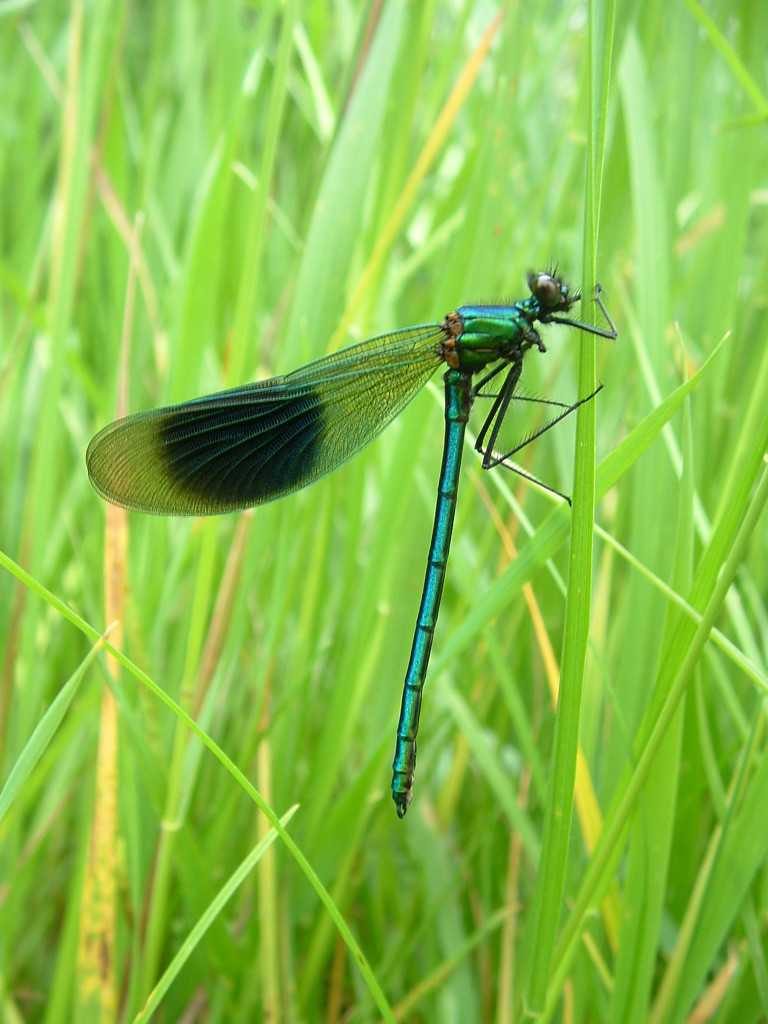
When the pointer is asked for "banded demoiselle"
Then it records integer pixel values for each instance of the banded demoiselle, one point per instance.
(254, 443)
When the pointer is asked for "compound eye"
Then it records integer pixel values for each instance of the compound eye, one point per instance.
(547, 290)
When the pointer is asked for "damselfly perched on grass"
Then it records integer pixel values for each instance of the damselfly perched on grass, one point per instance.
(260, 441)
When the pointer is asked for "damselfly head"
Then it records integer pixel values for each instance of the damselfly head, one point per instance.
(551, 292)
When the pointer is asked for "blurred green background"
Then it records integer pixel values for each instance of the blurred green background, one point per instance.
(196, 195)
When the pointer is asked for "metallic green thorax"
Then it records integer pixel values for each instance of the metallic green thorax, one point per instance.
(261, 441)
(489, 333)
